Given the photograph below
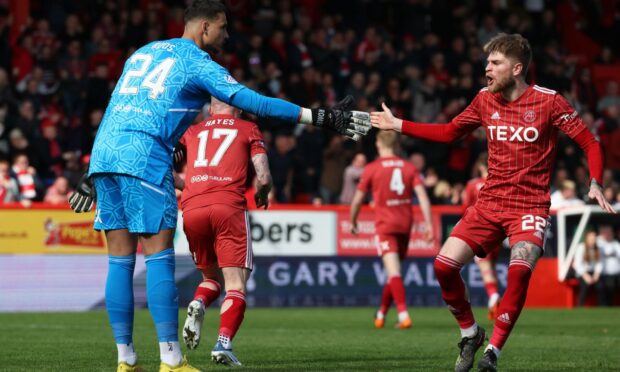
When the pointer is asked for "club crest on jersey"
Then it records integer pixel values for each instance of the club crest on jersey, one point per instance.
(529, 116)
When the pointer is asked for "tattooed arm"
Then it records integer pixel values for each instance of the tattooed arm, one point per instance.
(263, 180)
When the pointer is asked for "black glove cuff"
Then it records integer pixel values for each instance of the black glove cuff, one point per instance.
(320, 117)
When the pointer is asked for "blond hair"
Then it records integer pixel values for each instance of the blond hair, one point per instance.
(512, 46)
(387, 138)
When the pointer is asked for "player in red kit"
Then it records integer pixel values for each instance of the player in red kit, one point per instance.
(522, 123)
(485, 264)
(392, 180)
(215, 218)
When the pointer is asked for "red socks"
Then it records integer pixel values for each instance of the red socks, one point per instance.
(231, 315)
(393, 289)
(398, 292)
(386, 298)
(448, 272)
(206, 293)
(519, 273)
(491, 288)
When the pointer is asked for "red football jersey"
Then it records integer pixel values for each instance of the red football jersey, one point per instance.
(522, 138)
(470, 195)
(391, 180)
(218, 152)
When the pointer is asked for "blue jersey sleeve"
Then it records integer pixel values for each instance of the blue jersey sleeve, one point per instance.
(250, 101)
(216, 80)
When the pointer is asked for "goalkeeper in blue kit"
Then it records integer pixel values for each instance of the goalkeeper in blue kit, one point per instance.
(162, 88)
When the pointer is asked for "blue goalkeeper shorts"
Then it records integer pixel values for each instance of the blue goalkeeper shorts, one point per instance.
(127, 202)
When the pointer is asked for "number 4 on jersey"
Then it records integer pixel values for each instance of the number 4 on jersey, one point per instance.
(396, 183)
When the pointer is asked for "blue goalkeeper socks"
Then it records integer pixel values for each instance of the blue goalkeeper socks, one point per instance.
(161, 293)
(119, 296)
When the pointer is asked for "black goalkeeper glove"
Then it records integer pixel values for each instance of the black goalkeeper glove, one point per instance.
(339, 118)
(84, 195)
(179, 155)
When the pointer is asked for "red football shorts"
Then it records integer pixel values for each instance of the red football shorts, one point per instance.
(397, 243)
(484, 230)
(492, 255)
(219, 234)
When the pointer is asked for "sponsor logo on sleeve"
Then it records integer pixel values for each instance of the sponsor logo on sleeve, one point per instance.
(229, 79)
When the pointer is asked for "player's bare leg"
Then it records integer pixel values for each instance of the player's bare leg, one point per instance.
(231, 314)
(523, 258)
(119, 295)
(391, 265)
(206, 292)
(453, 255)
(489, 278)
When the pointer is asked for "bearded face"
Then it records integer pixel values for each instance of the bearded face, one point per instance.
(499, 73)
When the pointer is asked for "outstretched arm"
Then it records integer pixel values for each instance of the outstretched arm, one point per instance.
(425, 206)
(339, 118)
(263, 180)
(433, 132)
(356, 204)
(592, 149)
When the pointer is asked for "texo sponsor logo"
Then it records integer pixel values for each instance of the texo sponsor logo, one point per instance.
(512, 134)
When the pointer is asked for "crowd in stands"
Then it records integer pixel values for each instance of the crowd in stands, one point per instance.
(597, 266)
(422, 57)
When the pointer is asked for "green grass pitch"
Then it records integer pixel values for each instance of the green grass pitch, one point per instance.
(319, 339)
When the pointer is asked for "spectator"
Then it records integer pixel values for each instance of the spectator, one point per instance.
(281, 165)
(308, 161)
(4, 130)
(442, 193)
(73, 171)
(27, 120)
(610, 255)
(351, 178)
(427, 102)
(27, 179)
(334, 164)
(566, 196)
(611, 96)
(588, 265)
(58, 192)
(9, 190)
(6, 92)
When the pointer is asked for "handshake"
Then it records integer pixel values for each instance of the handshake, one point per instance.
(341, 119)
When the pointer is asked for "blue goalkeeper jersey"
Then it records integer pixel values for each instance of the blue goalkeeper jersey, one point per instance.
(164, 85)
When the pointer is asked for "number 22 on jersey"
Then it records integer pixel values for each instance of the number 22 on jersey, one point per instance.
(229, 136)
(153, 81)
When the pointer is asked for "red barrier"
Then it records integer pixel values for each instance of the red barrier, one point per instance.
(545, 290)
